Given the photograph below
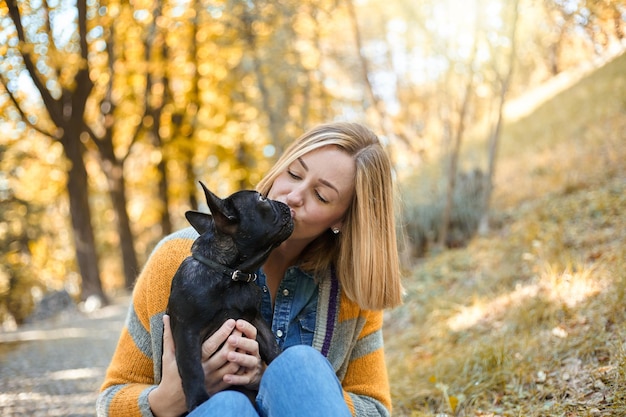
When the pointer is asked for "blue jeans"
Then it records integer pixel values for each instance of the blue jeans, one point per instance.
(299, 382)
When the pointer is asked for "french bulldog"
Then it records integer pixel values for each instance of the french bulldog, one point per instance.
(216, 283)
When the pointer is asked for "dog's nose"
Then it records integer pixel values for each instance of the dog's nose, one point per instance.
(286, 211)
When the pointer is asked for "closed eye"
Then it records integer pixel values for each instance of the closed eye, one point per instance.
(320, 198)
(294, 176)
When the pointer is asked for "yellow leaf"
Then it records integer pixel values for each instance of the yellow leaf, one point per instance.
(453, 401)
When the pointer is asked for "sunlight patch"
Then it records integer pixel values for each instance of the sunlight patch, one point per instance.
(571, 288)
(472, 315)
(80, 373)
(567, 287)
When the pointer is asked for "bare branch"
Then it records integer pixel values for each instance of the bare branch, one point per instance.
(52, 105)
(19, 109)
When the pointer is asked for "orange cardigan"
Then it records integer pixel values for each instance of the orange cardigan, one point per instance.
(349, 337)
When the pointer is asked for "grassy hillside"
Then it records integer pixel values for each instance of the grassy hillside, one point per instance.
(530, 320)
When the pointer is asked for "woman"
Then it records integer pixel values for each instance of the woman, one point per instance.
(324, 291)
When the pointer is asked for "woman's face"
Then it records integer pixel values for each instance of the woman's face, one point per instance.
(318, 187)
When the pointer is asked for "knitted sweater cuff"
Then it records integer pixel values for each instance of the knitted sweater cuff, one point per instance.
(144, 406)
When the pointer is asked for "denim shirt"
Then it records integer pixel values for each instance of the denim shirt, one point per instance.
(295, 307)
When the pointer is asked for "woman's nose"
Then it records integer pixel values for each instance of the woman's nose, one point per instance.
(294, 198)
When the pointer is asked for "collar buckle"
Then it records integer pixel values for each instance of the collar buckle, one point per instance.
(243, 276)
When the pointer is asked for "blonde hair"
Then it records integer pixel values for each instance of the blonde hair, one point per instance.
(365, 254)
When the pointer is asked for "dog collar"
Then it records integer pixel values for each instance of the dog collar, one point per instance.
(235, 274)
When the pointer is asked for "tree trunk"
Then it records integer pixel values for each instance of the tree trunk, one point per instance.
(494, 140)
(80, 213)
(129, 257)
(458, 138)
(114, 171)
(452, 172)
(113, 168)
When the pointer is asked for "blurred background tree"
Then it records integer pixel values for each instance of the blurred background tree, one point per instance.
(112, 111)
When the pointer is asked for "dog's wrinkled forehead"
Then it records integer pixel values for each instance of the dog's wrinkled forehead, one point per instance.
(251, 205)
(245, 196)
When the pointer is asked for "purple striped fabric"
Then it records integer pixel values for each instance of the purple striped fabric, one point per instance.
(333, 304)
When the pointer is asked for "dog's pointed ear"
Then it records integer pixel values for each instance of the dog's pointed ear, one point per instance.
(224, 215)
(200, 221)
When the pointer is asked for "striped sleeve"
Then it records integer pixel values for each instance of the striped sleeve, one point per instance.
(366, 383)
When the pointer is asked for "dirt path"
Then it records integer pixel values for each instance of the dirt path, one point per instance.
(55, 367)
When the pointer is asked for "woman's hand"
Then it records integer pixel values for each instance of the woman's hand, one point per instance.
(237, 362)
(246, 355)
(168, 399)
(230, 356)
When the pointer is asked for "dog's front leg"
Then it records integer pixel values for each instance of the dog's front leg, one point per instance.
(189, 360)
(268, 348)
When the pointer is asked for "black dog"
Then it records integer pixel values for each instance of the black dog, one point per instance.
(215, 283)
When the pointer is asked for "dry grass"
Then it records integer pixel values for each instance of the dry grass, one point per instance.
(530, 320)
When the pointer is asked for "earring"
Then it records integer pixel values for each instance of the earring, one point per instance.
(336, 230)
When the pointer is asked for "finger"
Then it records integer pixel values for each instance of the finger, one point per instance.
(249, 374)
(246, 328)
(168, 357)
(212, 344)
(168, 340)
(170, 387)
(217, 364)
(244, 379)
(214, 374)
(244, 360)
(216, 367)
(243, 344)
